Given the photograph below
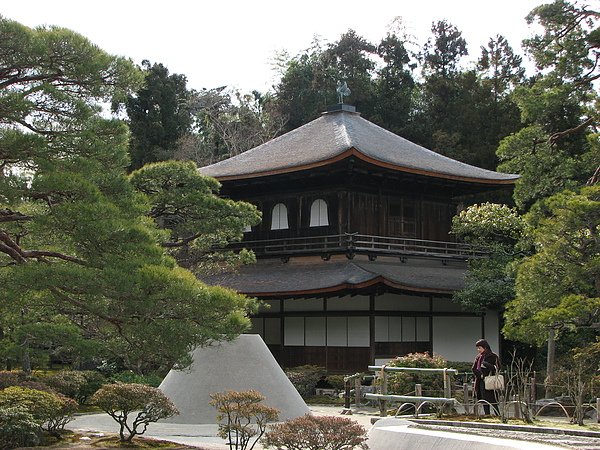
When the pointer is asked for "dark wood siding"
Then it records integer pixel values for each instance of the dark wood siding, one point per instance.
(436, 219)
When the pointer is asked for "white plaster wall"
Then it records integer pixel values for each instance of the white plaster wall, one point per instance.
(270, 306)
(357, 303)
(381, 329)
(408, 329)
(257, 326)
(303, 304)
(315, 331)
(358, 331)
(422, 329)
(445, 305)
(337, 329)
(272, 330)
(454, 337)
(395, 328)
(492, 329)
(294, 331)
(395, 302)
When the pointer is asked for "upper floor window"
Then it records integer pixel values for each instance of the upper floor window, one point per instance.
(318, 213)
(279, 218)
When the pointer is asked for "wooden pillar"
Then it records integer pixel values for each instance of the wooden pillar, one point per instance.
(282, 352)
(447, 385)
(383, 403)
(431, 325)
(372, 329)
(550, 363)
(482, 325)
(326, 330)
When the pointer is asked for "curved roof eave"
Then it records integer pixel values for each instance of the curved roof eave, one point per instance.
(358, 154)
(338, 135)
(351, 287)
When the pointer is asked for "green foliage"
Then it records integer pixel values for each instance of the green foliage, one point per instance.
(228, 123)
(317, 433)
(403, 383)
(93, 381)
(17, 428)
(198, 220)
(555, 149)
(159, 115)
(578, 377)
(305, 378)
(242, 417)
(21, 379)
(67, 382)
(128, 376)
(77, 248)
(49, 411)
(502, 233)
(9, 378)
(558, 286)
(336, 381)
(78, 385)
(528, 150)
(444, 49)
(488, 223)
(119, 400)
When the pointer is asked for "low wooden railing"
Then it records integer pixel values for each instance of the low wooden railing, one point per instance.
(354, 243)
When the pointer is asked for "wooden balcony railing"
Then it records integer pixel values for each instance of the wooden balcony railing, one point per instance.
(354, 243)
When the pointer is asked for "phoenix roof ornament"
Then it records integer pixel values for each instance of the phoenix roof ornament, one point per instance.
(343, 91)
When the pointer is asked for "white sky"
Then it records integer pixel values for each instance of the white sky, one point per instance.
(233, 42)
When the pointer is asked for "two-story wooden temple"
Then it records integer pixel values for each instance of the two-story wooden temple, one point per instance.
(354, 256)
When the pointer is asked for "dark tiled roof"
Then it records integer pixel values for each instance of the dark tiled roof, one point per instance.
(312, 275)
(335, 134)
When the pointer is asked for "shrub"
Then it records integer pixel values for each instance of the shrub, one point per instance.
(337, 382)
(305, 378)
(317, 433)
(67, 382)
(93, 381)
(17, 428)
(404, 383)
(119, 400)
(49, 411)
(36, 385)
(78, 385)
(13, 378)
(129, 377)
(8, 378)
(62, 415)
(245, 417)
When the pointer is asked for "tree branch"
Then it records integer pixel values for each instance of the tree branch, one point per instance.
(555, 137)
(81, 305)
(11, 248)
(7, 215)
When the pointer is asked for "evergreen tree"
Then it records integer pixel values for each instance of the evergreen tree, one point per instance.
(75, 239)
(555, 149)
(159, 115)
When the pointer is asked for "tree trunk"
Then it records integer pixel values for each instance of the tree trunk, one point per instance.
(26, 360)
(550, 363)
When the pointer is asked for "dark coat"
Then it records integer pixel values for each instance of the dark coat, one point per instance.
(491, 363)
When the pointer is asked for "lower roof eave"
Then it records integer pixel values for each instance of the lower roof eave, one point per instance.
(350, 289)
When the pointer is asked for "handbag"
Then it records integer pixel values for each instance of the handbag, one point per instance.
(494, 382)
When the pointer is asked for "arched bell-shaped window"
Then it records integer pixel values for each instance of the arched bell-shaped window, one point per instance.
(318, 213)
(279, 218)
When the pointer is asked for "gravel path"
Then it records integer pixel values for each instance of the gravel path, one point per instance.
(565, 441)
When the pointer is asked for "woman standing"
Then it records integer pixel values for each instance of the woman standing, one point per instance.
(486, 363)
